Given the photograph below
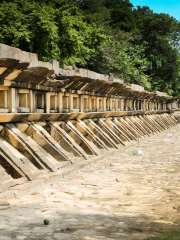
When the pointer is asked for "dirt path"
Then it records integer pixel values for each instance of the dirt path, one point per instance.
(121, 197)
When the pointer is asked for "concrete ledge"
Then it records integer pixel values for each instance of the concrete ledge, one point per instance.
(4, 110)
(26, 117)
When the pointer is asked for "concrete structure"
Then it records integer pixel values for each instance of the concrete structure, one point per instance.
(52, 117)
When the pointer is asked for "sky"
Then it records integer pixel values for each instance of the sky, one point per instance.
(172, 7)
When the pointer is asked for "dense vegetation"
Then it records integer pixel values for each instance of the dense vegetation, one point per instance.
(133, 43)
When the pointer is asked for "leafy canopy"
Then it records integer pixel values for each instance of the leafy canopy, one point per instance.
(52, 30)
(133, 43)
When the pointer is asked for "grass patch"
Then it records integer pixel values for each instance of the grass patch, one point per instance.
(128, 192)
(172, 235)
(95, 192)
(166, 189)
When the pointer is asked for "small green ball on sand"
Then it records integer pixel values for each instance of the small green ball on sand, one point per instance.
(46, 221)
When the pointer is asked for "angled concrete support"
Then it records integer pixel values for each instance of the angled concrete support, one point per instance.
(43, 139)
(108, 131)
(77, 137)
(101, 134)
(75, 147)
(124, 130)
(116, 130)
(44, 157)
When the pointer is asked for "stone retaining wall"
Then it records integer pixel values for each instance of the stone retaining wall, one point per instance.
(51, 118)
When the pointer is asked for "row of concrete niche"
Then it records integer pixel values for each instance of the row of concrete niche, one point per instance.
(24, 100)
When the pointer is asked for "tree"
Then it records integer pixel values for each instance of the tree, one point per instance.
(52, 30)
(160, 35)
(122, 58)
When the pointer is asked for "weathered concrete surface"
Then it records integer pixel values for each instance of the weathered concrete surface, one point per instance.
(121, 197)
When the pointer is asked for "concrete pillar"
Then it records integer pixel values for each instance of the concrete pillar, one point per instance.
(152, 104)
(104, 104)
(130, 105)
(90, 107)
(155, 105)
(122, 104)
(55, 103)
(116, 105)
(159, 106)
(127, 105)
(70, 102)
(81, 103)
(47, 101)
(97, 104)
(134, 105)
(60, 102)
(12, 105)
(31, 101)
(164, 106)
(137, 105)
(3, 99)
(140, 105)
(110, 104)
(144, 105)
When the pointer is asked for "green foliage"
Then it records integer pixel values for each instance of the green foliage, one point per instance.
(95, 11)
(121, 14)
(121, 58)
(152, 58)
(172, 235)
(29, 26)
(133, 43)
(54, 31)
(160, 33)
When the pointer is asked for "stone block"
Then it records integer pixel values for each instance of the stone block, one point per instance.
(55, 66)
(39, 111)
(23, 110)
(22, 126)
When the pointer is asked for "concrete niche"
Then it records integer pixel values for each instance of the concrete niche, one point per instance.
(22, 101)
(53, 104)
(76, 104)
(107, 104)
(93, 104)
(65, 104)
(101, 105)
(39, 102)
(174, 105)
(118, 105)
(86, 104)
(3, 101)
